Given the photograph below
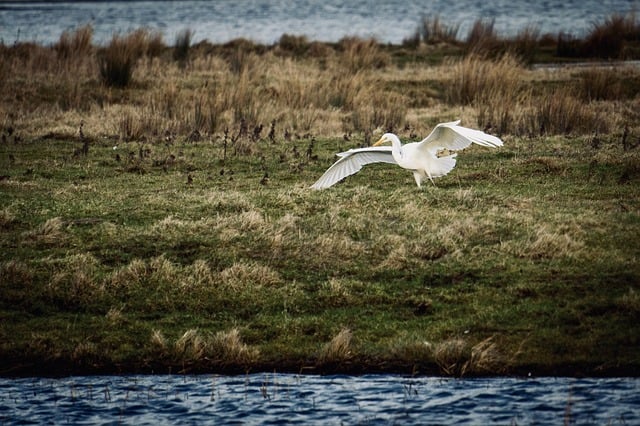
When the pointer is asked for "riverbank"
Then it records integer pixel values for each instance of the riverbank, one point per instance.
(164, 223)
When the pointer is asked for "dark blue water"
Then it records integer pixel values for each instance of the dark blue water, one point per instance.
(325, 20)
(295, 399)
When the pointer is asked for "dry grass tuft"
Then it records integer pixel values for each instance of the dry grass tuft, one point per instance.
(456, 357)
(451, 356)
(162, 269)
(85, 351)
(15, 273)
(338, 349)
(76, 283)
(49, 233)
(191, 346)
(115, 315)
(412, 349)
(199, 275)
(158, 341)
(224, 348)
(337, 292)
(399, 257)
(7, 218)
(550, 244)
(129, 275)
(485, 358)
(250, 275)
(328, 248)
(228, 348)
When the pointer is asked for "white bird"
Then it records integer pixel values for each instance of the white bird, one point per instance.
(429, 158)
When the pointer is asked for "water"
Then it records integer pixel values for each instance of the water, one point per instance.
(323, 20)
(294, 399)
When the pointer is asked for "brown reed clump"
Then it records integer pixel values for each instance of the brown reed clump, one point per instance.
(494, 86)
(525, 44)
(610, 39)
(562, 113)
(145, 42)
(117, 62)
(75, 44)
(182, 46)
(475, 78)
(609, 83)
(434, 31)
(362, 54)
(482, 38)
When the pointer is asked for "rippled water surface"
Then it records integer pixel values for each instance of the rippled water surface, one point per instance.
(266, 20)
(294, 399)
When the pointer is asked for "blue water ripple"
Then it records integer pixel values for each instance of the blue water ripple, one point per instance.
(293, 399)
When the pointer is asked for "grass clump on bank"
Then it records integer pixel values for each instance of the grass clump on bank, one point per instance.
(167, 225)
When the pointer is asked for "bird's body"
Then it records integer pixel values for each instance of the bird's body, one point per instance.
(430, 158)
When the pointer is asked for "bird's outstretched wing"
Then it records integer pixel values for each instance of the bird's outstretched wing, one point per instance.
(351, 162)
(452, 137)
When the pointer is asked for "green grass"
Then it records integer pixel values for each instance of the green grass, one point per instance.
(533, 246)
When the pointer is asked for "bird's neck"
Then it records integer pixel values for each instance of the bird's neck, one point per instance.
(396, 148)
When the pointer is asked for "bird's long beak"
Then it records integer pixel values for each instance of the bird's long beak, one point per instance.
(380, 142)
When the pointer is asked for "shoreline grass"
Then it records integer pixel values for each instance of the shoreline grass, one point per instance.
(166, 225)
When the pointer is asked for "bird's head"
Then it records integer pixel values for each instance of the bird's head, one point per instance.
(387, 137)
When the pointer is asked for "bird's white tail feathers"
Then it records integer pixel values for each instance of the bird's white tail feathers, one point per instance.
(441, 166)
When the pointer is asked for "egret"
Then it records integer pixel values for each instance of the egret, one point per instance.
(430, 158)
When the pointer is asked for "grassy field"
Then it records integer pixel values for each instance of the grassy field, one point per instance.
(164, 222)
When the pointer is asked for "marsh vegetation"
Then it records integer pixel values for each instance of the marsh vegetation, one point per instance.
(155, 212)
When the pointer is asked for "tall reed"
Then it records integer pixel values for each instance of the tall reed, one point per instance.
(74, 44)
(434, 31)
(117, 62)
(182, 46)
